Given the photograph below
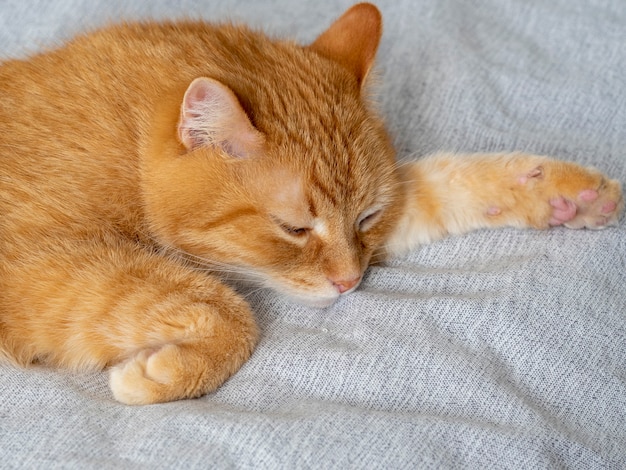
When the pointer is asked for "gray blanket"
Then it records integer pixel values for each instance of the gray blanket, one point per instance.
(498, 349)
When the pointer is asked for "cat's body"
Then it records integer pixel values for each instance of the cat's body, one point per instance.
(134, 154)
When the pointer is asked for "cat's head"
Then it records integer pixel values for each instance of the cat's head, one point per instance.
(280, 170)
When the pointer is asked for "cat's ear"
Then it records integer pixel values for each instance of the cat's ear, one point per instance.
(353, 39)
(211, 115)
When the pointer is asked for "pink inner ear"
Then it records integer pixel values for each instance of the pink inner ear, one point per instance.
(196, 94)
(188, 129)
(212, 116)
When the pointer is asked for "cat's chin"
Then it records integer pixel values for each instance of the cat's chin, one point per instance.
(293, 295)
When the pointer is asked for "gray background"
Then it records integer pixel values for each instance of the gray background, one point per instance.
(498, 349)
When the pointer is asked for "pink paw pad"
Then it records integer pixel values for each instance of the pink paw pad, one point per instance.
(608, 207)
(588, 195)
(563, 210)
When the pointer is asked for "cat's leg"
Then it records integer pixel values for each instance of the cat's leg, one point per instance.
(453, 194)
(168, 331)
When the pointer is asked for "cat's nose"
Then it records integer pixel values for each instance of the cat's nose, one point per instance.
(344, 285)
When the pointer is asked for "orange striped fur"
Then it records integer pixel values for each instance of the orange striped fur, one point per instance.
(143, 162)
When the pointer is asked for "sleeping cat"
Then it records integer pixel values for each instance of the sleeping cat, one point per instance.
(140, 159)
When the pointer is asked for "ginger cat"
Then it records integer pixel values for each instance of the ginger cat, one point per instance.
(138, 156)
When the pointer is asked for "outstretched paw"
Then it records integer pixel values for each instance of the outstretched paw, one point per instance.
(590, 208)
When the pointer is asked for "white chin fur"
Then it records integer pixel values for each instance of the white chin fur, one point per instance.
(309, 299)
(315, 300)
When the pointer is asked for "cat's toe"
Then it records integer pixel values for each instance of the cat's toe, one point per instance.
(563, 210)
(131, 382)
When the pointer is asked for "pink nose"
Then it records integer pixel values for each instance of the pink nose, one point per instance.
(345, 285)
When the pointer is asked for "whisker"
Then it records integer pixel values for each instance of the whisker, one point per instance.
(198, 262)
(403, 163)
(246, 295)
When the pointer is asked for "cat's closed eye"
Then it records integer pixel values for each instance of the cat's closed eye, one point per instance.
(294, 231)
(290, 229)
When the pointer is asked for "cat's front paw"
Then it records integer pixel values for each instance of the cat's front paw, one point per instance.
(594, 208)
(154, 376)
(132, 382)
